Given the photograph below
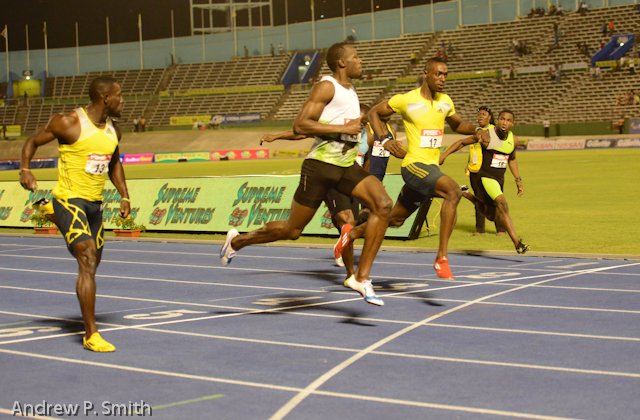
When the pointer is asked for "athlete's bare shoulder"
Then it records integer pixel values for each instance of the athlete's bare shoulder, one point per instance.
(65, 127)
(322, 92)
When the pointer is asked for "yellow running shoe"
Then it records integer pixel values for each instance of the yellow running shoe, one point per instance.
(96, 343)
(44, 206)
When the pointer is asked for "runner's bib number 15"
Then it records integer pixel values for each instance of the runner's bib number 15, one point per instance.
(97, 164)
(431, 139)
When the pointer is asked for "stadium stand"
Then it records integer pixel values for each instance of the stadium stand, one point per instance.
(253, 71)
(387, 70)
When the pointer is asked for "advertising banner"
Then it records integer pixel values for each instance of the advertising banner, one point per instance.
(599, 143)
(138, 158)
(288, 153)
(541, 145)
(566, 144)
(239, 154)
(635, 142)
(190, 119)
(634, 126)
(241, 118)
(522, 144)
(13, 130)
(181, 157)
(213, 204)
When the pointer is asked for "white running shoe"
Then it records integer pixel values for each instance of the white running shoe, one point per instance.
(227, 252)
(339, 262)
(365, 288)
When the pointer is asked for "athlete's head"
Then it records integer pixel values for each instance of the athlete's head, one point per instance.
(435, 74)
(506, 120)
(364, 110)
(344, 56)
(106, 91)
(485, 116)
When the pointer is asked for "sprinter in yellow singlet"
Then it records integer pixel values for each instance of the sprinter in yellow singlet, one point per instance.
(88, 145)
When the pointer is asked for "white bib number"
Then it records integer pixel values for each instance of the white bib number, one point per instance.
(378, 150)
(97, 164)
(499, 161)
(431, 139)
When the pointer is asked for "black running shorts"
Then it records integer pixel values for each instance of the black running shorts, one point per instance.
(318, 178)
(420, 184)
(79, 220)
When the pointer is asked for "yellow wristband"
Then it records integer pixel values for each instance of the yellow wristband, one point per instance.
(25, 169)
(125, 199)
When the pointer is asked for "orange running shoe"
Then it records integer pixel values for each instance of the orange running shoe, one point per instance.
(343, 241)
(442, 268)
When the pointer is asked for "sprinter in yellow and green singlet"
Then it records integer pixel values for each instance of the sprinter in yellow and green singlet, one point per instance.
(498, 151)
(88, 141)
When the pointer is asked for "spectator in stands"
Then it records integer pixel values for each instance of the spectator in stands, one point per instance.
(632, 66)
(280, 48)
(551, 73)
(143, 124)
(246, 52)
(558, 74)
(512, 72)
(531, 13)
(599, 73)
(26, 99)
(4, 132)
(585, 50)
(273, 51)
(560, 10)
(611, 27)
(604, 29)
(136, 124)
(592, 71)
(621, 124)
(552, 10)
(636, 97)
(413, 58)
(541, 11)
(546, 125)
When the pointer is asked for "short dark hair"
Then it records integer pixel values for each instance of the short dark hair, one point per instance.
(508, 112)
(100, 86)
(335, 53)
(364, 108)
(486, 108)
(433, 60)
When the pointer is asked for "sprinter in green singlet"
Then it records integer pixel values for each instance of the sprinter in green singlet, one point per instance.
(88, 144)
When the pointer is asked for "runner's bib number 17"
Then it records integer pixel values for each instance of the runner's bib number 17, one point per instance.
(97, 164)
(431, 139)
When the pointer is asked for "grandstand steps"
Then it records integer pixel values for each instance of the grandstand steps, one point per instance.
(21, 116)
(276, 108)
(166, 78)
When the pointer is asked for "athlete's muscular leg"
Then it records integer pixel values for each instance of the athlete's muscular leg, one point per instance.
(371, 192)
(450, 192)
(88, 259)
(505, 218)
(397, 217)
(340, 219)
(278, 230)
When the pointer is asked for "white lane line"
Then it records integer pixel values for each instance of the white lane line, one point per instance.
(30, 248)
(286, 388)
(533, 263)
(301, 396)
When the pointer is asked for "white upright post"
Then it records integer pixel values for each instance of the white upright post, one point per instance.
(140, 35)
(373, 23)
(401, 18)
(173, 39)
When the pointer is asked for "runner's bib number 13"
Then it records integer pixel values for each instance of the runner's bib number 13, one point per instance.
(431, 139)
(97, 164)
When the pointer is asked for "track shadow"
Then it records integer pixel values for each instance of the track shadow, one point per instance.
(483, 254)
(298, 303)
(387, 286)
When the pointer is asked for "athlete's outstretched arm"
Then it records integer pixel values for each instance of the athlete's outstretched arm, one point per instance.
(513, 167)
(59, 127)
(457, 146)
(376, 114)
(306, 123)
(116, 175)
(460, 126)
(287, 135)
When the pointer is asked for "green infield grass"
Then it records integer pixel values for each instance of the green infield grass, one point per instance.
(582, 201)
